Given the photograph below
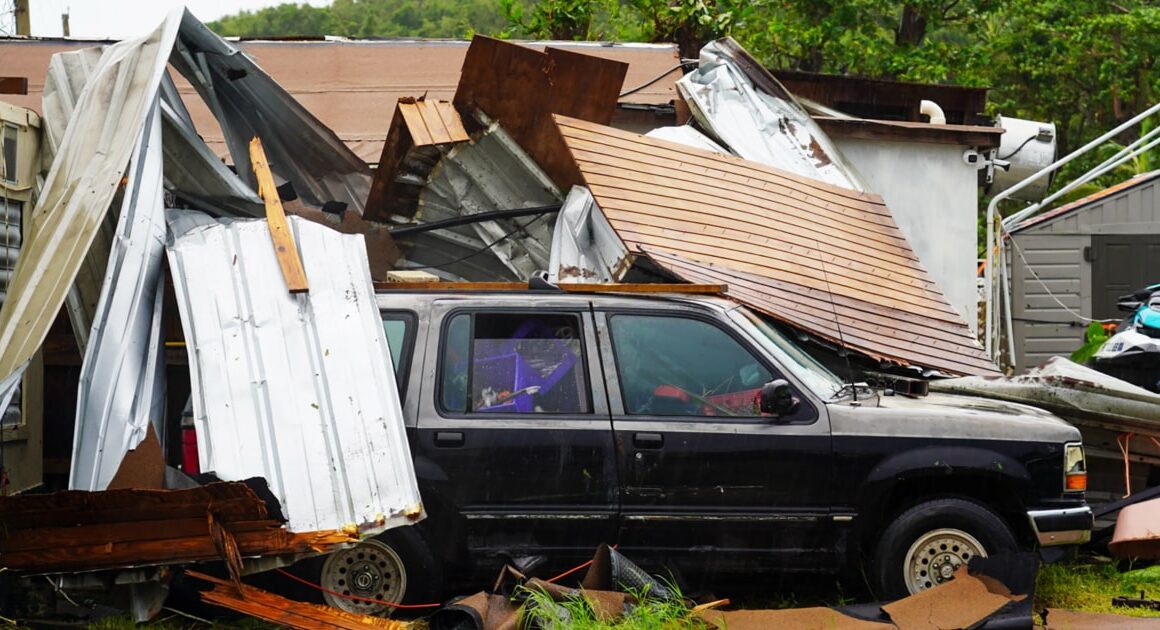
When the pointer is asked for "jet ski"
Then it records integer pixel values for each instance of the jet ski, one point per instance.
(1133, 353)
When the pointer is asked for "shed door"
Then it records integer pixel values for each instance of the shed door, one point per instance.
(1121, 264)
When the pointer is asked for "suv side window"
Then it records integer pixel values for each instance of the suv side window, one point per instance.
(678, 366)
(513, 363)
(400, 329)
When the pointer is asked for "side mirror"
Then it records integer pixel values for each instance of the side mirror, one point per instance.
(777, 398)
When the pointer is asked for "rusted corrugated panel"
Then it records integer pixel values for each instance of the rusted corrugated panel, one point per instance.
(800, 250)
(87, 531)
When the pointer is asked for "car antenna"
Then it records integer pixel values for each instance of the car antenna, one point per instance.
(844, 351)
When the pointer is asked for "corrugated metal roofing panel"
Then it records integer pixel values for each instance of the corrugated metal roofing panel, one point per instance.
(798, 249)
(78, 189)
(297, 389)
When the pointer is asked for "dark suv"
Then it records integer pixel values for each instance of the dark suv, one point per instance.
(699, 439)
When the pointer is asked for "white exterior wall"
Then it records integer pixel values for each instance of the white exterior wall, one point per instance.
(933, 195)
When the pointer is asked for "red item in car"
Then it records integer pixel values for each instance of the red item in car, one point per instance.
(189, 462)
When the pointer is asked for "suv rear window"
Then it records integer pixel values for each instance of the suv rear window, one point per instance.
(513, 363)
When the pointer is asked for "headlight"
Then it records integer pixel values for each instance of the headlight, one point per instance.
(1074, 468)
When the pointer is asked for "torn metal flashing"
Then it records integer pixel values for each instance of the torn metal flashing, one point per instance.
(248, 103)
(122, 380)
(735, 98)
(585, 248)
(296, 389)
(1074, 392)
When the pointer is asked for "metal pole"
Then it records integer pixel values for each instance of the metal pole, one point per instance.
(992, 210)
(23, 19)
(64, 24)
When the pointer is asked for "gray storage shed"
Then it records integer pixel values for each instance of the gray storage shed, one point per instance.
(1076, 260)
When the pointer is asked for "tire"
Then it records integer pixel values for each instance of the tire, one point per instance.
(925, 544)
(397, 566)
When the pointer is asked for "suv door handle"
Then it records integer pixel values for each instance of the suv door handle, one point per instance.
(448, 439)
(648, 440)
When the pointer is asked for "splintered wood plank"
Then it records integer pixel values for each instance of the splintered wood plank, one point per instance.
(284, 247)
(265, 605)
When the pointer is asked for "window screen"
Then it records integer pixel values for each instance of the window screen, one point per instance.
(8, 146)
(673, 366)
(513, 363)
(10, 234)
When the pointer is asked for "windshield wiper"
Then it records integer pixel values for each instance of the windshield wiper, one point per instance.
(852, 389)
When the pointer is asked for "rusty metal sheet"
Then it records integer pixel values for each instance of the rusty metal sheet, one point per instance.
(1137, 532)
(345, 83)
(521, 88)
(823, 258)
(85, 531)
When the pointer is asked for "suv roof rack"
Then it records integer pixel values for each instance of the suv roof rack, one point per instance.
(567, 287)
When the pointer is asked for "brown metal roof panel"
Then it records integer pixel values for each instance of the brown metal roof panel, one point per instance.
(858, 330)
(801, 264)
(1080, 203)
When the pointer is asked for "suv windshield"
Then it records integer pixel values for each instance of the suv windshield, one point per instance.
(815, 375)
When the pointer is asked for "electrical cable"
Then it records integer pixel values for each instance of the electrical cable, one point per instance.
(1017, 149)
(519, 228)
(684, 62)
(353, 597)
(1043, 284)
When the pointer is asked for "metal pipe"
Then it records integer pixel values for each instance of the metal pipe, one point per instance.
(1125, 154)
(468, 219)
(992, 208)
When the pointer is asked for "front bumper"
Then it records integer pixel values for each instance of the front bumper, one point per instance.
(1064, 526)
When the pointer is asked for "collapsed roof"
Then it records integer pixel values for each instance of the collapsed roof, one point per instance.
(280, 391)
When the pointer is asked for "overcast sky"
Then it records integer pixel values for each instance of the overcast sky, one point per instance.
(117, 19)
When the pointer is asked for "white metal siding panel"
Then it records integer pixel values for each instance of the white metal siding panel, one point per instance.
(297, 389)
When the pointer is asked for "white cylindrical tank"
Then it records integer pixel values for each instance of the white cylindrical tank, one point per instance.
(1029, 146)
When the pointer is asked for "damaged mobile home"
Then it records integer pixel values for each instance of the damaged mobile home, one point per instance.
(520, 175)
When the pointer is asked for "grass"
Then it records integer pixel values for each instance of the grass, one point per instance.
(575, 613)
(1091, 587)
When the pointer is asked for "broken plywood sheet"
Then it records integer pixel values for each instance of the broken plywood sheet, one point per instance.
(296, 389)
(827, 260)
(798, 618)
(959, 604)
(419, 129)
(521, 88)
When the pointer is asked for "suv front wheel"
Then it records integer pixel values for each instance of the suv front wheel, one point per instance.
(926, 543)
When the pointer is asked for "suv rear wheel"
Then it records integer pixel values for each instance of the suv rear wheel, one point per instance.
(925, 544)
(397, 566)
